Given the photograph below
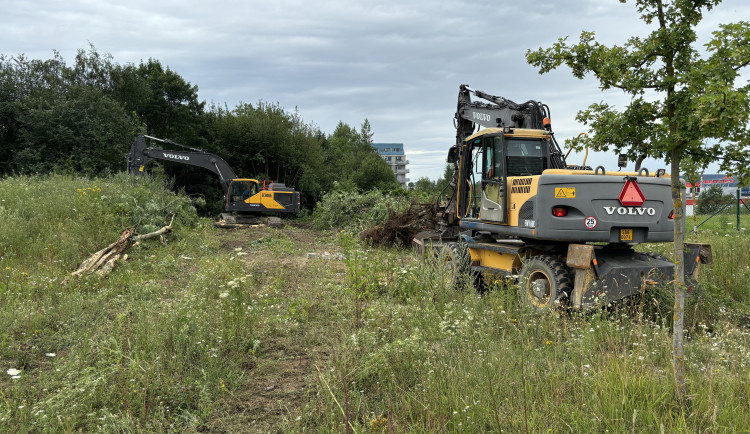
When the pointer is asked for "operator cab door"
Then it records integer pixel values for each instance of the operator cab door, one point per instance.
(493, 200)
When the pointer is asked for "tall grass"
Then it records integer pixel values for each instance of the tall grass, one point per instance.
(443, 360)
(242, 331)
(106, 352)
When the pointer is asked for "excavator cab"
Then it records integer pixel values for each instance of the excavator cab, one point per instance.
(242, 189)
(499, 154)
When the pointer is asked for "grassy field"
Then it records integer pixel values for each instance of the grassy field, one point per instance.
(297, 329)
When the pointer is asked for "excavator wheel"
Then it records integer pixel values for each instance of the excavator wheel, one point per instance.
(544, 282)
(456, 260)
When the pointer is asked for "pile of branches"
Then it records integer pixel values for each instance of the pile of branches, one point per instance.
(400, 227)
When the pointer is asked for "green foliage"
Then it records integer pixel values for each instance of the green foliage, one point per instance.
(350, 211)
(38, 230)
(59, 117)
(697, 98)
(435, 187)
(354, 162)
(712, 199)
(166, 103)
(80, 133)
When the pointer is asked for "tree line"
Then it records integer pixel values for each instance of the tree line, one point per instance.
(82, 118)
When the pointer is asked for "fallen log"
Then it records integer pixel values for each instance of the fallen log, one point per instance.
(103, 261)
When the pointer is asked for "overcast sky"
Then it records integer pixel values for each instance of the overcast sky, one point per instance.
(398, 64)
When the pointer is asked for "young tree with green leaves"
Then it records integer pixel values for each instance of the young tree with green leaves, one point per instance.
(681, 98)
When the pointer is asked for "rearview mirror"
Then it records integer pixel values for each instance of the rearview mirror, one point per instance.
(452, 155)
(622, 160)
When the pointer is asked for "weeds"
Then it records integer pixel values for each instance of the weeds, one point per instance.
(239, 331)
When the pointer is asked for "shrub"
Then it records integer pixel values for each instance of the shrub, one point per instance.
(712, 199)
(353, 212)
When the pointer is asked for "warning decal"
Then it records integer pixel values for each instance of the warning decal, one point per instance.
(565, 193)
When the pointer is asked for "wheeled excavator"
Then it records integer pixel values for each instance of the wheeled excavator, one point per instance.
(247, 200)
(517, 209)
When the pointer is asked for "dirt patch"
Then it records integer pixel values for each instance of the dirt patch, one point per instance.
(240, 237)
(276, 390)
(276, 383)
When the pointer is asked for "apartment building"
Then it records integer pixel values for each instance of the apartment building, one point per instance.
(393, 154)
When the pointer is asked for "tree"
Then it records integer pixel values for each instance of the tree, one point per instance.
(161, 98)
(266, 141)
(680, 98)
(54, 116)
(353, 161)
(83, 132)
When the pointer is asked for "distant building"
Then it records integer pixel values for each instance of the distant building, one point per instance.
(393, 154)
(727, 183)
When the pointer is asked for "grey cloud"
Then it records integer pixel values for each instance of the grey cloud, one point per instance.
(398, 64)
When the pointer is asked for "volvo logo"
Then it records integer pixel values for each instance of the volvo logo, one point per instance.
(481, 116)
(175, 156)
(630, 210)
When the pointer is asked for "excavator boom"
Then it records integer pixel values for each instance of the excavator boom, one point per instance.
(140, 152)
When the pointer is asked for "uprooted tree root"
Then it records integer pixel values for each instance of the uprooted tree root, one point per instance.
(400, 228)
(103, 261)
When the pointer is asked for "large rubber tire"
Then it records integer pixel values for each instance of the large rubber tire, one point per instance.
(456, 260)
(544, 283)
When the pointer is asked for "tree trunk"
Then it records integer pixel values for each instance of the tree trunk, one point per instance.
(103, 261)
(678, 349)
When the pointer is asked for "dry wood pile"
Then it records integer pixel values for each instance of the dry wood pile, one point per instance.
(103, 261)
(400, 228)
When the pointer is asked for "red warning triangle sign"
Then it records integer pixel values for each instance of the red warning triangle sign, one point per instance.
(631, 195)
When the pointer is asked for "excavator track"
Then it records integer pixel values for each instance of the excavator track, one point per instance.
(229, 221)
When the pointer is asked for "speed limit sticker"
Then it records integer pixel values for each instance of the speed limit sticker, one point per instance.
(590, 222)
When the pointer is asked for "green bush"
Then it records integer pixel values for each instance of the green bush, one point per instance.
(353, 212)
(712, 199)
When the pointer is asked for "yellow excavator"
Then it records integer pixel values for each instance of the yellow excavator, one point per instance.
(517, 209)
(247, 200)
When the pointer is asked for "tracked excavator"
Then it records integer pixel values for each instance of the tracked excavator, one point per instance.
(247, 200)
(566, 233)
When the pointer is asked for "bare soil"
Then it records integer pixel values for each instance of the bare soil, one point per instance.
(277, 382)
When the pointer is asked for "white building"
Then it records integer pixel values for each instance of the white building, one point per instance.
(393, 154)
(727, 183)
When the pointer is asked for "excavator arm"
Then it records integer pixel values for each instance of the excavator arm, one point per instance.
(140, 152)
(496, 112)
